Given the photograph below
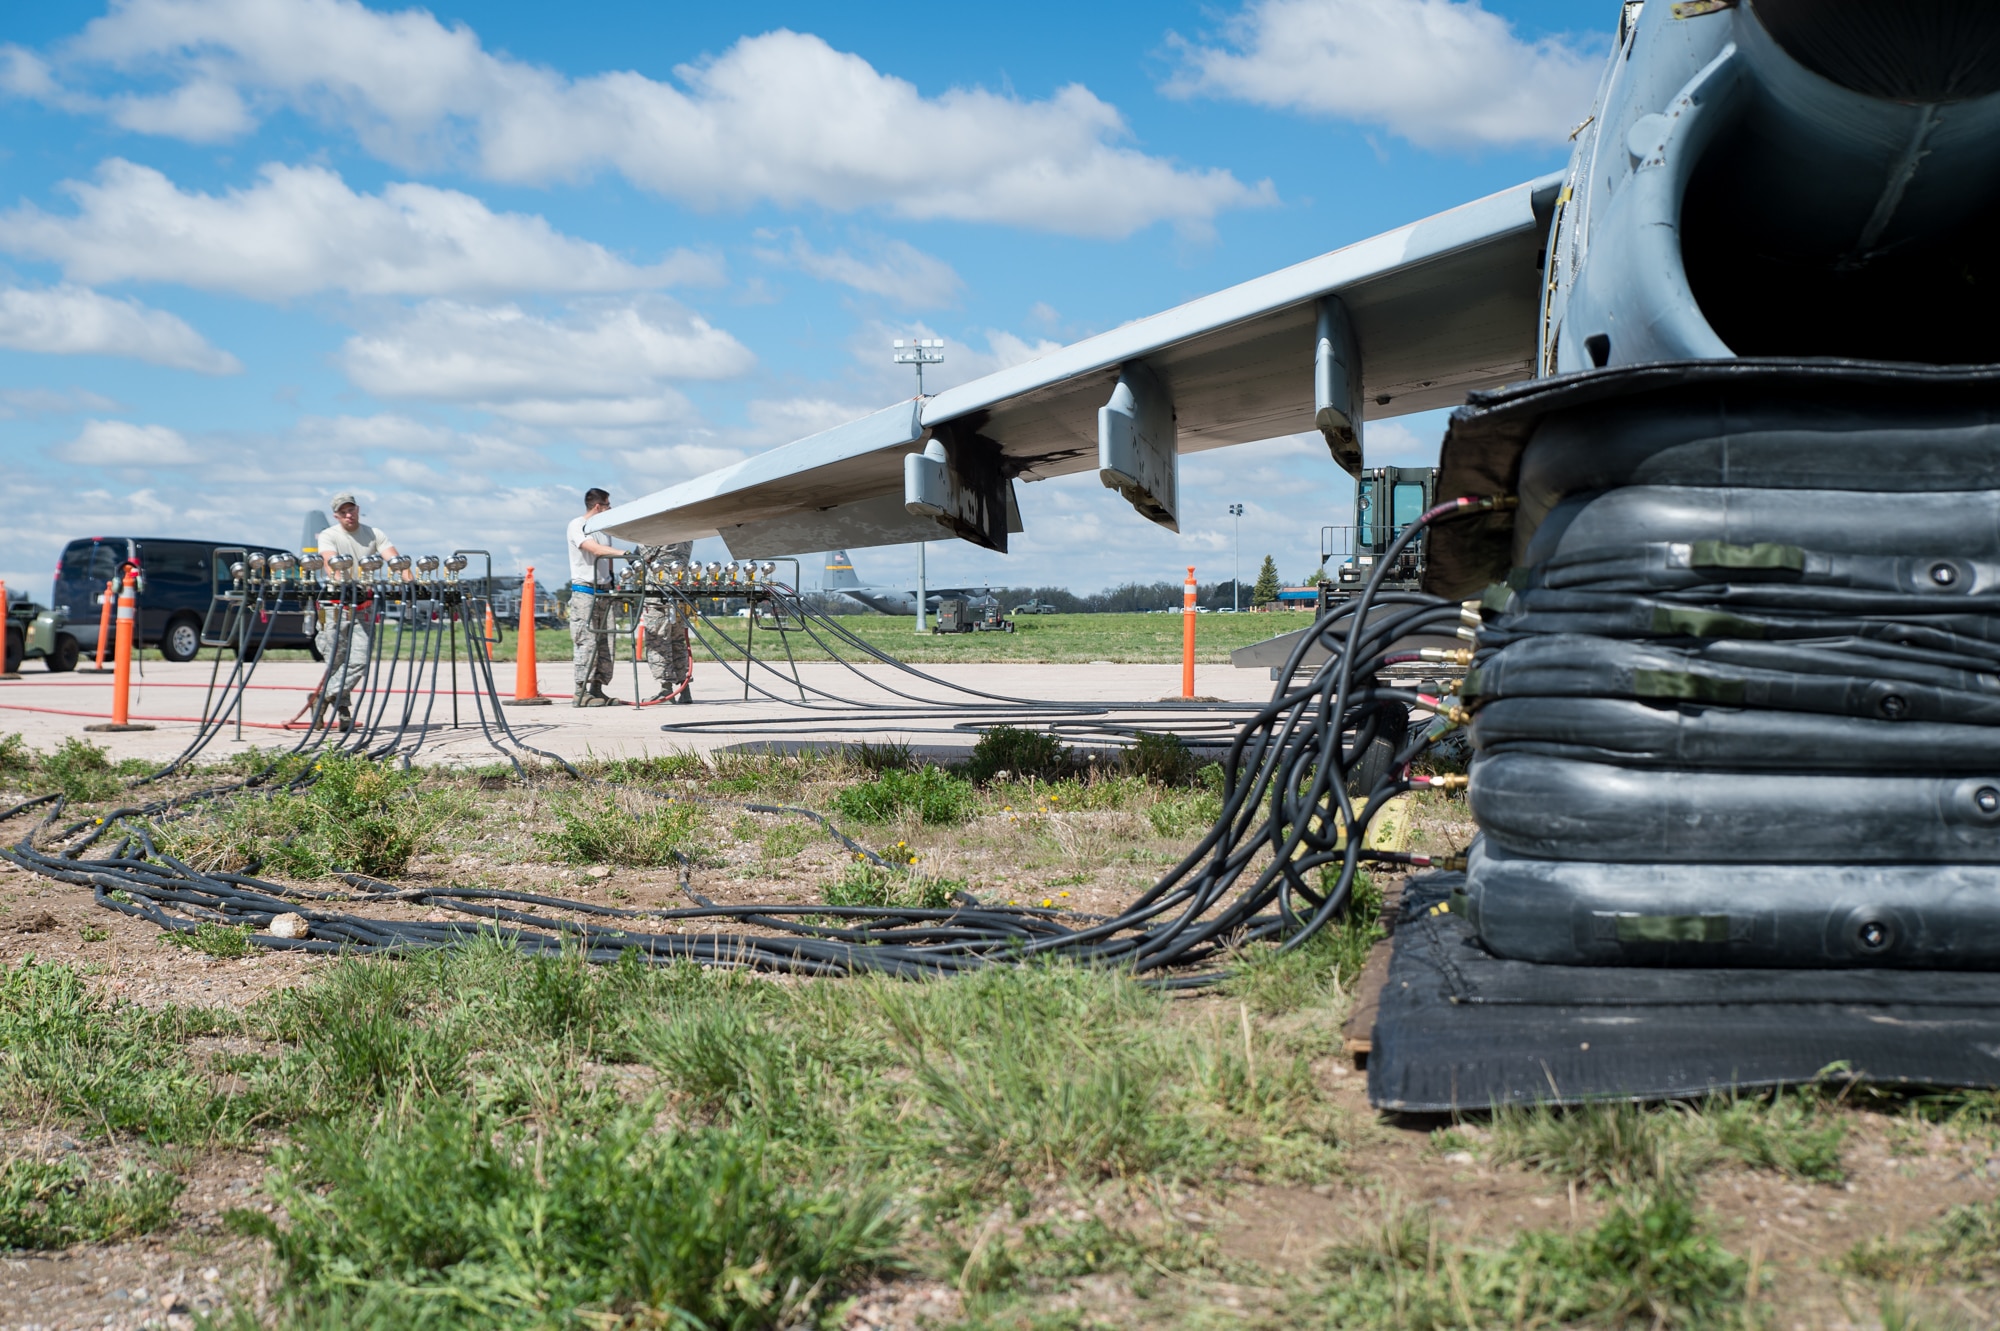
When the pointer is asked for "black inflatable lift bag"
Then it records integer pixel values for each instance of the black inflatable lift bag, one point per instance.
(1960, 521)
(1558, 809)
(1566, 913)
(1786, 677)
(1891, 426)
(1641, 734)
(1460, 1029)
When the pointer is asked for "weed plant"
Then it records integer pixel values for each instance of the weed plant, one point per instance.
(53, 1204)
(1023, 754)
(889, 756)
(931, 794)
(16, 758)
(864, 884)
(82, 771)
(1161, 759)
(608, 829)
(355, 816)
(216, 940)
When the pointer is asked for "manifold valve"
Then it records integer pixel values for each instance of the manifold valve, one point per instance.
(769, 568)
(340, 563)
(312, 563)
(236, 570)
(455, 564)
(371, 563)
(282, 563)
(256, 563)
(400, 564)
(428, 564)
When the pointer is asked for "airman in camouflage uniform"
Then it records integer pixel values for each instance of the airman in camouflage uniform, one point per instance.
(666, 626)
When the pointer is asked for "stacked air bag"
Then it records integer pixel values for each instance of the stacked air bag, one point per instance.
(1738, 701)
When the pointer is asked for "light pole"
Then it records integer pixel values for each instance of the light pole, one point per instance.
(1236, 570)
(920, 352)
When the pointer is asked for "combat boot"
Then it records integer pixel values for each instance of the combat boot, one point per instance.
(604, 699)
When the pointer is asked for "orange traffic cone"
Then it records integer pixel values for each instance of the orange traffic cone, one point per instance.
(104, 623)
(527, 689)
(121, 679)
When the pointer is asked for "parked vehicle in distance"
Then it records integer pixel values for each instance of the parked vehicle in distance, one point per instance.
(37, 634)
(1034, 608)
(178, 581)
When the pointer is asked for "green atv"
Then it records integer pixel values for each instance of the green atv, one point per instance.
(35, 632)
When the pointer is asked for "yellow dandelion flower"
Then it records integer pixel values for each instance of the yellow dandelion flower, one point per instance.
(1047, 902)
(1062, 894)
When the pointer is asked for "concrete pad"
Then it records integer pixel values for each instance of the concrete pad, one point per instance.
(49, 708)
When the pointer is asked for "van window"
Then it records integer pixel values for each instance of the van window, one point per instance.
(178, 564)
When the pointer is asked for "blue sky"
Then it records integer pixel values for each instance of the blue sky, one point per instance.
(471, 259)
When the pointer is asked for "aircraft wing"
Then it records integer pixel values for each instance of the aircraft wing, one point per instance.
(1405, 321)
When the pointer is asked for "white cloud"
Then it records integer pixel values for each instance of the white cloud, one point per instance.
(76, 321)
(1440, 73)
(300, 229)
(781, 117)
(123, 444)
(895, 269)
(52, 402)
(781, 420)
(200, 111)
(603, 364)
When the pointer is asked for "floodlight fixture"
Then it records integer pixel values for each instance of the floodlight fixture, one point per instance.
(919, 352)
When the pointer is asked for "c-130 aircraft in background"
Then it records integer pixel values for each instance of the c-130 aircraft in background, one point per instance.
(1731, 382)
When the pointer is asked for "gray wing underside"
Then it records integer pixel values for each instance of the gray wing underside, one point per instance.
(1439, 308)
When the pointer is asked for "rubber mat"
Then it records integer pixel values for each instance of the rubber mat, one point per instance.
(1461, 1029)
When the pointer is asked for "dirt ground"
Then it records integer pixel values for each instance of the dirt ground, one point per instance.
(1902, 1173)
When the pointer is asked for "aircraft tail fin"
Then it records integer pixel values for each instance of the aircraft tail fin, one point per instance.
(839, 572)
(316, 523)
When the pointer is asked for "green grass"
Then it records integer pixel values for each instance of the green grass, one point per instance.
(1649, 1262)
(53, 1204)
(1624, 1145)
(458, 1217)
(1021, 754)
(612, 829)
(863, 884)
(216, 940)
(355, 816)
(1121, 638)
(931, 794)
(82, 771)
(1964, 1245)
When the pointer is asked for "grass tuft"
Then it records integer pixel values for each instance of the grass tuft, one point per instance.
(53, 1204)
(601, 829)
(863, 884)
(1022, 754)
(1648, 1260)
(216, 940)
(456, 1218)
(931, 794)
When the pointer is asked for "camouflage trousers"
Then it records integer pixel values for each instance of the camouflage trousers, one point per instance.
(666, 644)
(590, 634)
(350, 634)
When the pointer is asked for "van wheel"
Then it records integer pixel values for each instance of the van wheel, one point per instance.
(182, 640)
(64, 656)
